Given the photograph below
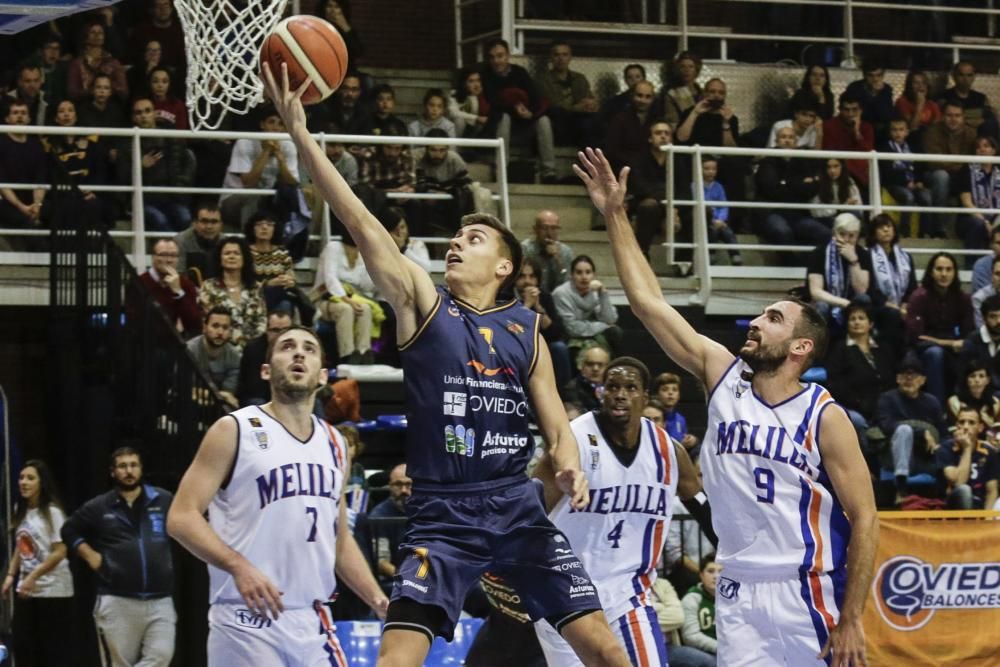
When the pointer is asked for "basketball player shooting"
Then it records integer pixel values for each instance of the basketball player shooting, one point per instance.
(791, 499)
(277, 537)
(470, 364)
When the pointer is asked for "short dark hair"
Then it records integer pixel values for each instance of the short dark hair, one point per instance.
(803, 103)
(207, 205)
(514, 252)
(963, 407)
(582, 258)
(124, 451)
(952, 103)
(294, 327)
(435, 92)
(218, 310)
(436, 133)
(497, 42)
(261, 215)
(811, 325)
(382, 89)
(990, 304)
(706, 560)
(871, 65)
(536, 266)
(848, 97)
(664, 378)
(634, 66)
(630, 362)
(880, 220)
(559, 41)
(854, 306)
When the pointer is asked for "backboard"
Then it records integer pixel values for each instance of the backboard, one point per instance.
(18, 15)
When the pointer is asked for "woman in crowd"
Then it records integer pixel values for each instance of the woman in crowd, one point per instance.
(976, 390)
(938, 318)
(683, 91)
(534, 297)
(836, 187)
(893, 275)
(272, 266)
(44, 591)
(236, 290)
(815, 87)
(584, 306)
(94, 59)
(978, 186)
(915, 106)
(138, 74)
(838, 272)
(170, 111)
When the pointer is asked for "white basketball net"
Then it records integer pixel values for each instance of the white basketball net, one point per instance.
(222, 39)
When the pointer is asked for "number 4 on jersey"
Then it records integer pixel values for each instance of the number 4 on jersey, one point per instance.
(616, 534)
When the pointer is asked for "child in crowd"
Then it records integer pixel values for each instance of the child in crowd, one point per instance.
(667, 388)
(699, 608)
(717, 216)
(433, 115)
(899, 177)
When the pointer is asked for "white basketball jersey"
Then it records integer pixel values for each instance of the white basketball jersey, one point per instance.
(773, 505)
(280, 508)
(620, 534)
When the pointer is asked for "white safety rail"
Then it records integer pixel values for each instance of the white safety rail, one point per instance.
(701, 246)
(138, 232)
(513, 26)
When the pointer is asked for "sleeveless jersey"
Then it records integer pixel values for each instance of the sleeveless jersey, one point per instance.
(280, 508)
(465, 373)
(773, 505)
(620, 534)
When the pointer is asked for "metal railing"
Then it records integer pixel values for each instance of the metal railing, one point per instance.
(513, 27)
(701, 245)
(139, 234)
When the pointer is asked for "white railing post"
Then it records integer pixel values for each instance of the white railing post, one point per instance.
(502, 182)
(138, 213)
(700, 253)
(324, 216)
(458, 33)
(682, 19)
(507, 23)
(849, 31)
(874, 185)
(669, 222)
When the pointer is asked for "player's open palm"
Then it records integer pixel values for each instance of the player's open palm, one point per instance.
(847, 644)
(605, 190)
(288, 103)
(258, 591)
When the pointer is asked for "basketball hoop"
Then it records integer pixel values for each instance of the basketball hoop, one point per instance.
(222, 39)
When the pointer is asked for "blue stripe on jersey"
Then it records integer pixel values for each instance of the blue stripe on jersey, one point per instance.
(807, 537)
(654, 627)
(654, 441)
(800, 433)
(821, 634)
(627, 638)
(647, 538)
(840, 534)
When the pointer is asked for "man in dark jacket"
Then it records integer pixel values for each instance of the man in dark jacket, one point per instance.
(122, 536)
(252, 389)
(789, 181)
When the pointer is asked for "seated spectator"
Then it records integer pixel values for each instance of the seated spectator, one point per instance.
(648, 185)
(165, 162)
(915, 107)
(553, 255)
(93, 61)
(699, 608)
(913, 420)
(100, 108)
(900, 176)
(470, 111)
(976, 108)
(177, 296)
(433, 116)
(839, 272)
(982, 344)
(390, 168)
(22, 160)
(848, 132)
(789, 181)
(355, 448)
(258, 163)
(440, 169)
(948, 136)
(53, 68)
(976, 391)
(893, 275)
(342, 159)
(29, 90)
(138, 74)
(983, 293)
(199, 243)
(834, 187)
(79, 160)
(511, 90)
(859, 370)
(982, 270)
(628, 131)
(535, 298)
(633, 74)
(968, 464)
(682, 91)
(586, 387)
(670, 617)
(717, 215)
(667, 389)
(806, 123)
(978, 186)
(815, 88)
(215, 357)
(585, 308)
(875, 96)
(384, 121)
(251, 388)
(171, 112)
(236, 289)
(393, 219)
(345, 107)
(572, 104)
(386, 547)
(344, 294)
(655, 412)
(162, 26)
(273, 269)
(938, 319)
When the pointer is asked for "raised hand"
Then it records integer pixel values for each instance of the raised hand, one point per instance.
(287, 103)
(606, 191)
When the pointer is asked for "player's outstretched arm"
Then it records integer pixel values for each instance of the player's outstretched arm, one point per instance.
(851, 482)
(554, 426)
(352, 566)
(697, 354)
(186, 520)
(401, 281)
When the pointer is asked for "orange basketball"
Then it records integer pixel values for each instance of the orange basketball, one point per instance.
(310, 47)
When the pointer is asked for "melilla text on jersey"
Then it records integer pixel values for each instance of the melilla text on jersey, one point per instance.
(742, 437)
(634, 498)
(296, 479)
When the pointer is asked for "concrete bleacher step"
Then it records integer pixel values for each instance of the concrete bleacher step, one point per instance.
(410, 86)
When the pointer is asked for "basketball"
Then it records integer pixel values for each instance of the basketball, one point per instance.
(310, 47)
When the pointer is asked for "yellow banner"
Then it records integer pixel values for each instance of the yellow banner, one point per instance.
(935, 597)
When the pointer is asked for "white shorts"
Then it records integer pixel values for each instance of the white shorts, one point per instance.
(637, 631)
(298, 638)
(771, 623)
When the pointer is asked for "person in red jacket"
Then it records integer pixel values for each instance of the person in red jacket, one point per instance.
(847, 132)
(177, 296)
